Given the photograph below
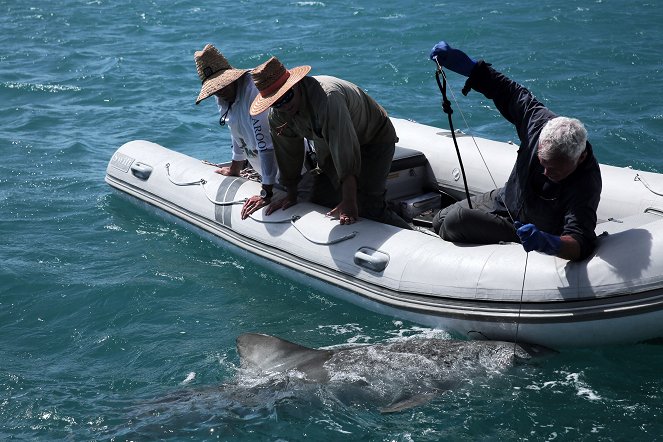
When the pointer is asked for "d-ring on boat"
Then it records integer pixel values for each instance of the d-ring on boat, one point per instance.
(486, 291)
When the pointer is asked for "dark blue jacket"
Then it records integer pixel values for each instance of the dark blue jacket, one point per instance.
(564, 208)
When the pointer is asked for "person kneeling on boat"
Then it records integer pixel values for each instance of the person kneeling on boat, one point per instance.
(354, 140)
(234, 91)
(550, 200)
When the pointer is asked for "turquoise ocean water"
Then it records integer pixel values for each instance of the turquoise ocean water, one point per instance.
(116, 324)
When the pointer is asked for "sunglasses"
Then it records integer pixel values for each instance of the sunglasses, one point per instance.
(285, 99)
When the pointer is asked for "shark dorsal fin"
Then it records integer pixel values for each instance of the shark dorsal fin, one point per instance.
(272, 354)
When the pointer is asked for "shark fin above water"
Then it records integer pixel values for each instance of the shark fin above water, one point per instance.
(272, 354)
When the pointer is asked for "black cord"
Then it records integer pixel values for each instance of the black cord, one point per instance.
(224, 117)
(446, 107)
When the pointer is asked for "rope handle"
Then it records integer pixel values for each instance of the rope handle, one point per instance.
(201, 182)
(292, 220)
(644, 183)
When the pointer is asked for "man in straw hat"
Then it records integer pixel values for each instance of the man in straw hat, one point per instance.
(234, 91)
(354, 140)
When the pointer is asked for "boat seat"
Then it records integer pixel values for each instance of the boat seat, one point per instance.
(407, 175)
(405, 158)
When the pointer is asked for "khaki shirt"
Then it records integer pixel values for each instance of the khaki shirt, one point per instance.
(339, 118)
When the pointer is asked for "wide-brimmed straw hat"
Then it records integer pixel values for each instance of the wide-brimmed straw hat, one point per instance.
(214, 71)
(273, 80)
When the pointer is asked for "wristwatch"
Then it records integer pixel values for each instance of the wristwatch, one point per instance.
(266, 194)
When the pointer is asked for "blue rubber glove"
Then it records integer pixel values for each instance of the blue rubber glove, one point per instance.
(452, 59)
(534, 239)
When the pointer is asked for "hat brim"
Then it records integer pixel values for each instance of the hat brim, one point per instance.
(261, 104)
(215, 83)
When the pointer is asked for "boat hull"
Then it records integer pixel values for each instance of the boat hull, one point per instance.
(490, 292)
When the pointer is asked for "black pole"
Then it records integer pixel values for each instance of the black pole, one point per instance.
(446, 107)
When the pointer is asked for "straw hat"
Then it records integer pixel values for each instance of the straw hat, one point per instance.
(214, 71)
(273, 80)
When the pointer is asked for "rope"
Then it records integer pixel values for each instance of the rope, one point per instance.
(186, 183)
(293, 219)
(642, 180)
(467, 126)
(201, 182)
(222, 203)
(520, 305)
(446, 106)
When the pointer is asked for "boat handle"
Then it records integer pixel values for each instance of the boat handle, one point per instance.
(141, 170)
(371, 259)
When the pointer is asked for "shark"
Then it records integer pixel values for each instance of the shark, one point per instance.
(398, 375)
(278, 376)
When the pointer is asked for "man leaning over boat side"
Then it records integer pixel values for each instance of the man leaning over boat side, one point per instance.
(354, 140)
(234, 91)
(550, 200)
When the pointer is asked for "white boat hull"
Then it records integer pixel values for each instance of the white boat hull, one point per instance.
(491, 291)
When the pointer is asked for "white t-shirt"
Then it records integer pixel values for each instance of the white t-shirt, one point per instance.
(251, 139)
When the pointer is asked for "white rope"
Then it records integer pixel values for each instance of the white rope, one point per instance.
(222, 203)
(467, 126)
(324, 243)
(522, 288)
(185, 183)
(201, 182)
(293, 219)
(642, 180)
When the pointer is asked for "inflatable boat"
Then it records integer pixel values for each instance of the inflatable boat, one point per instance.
(497, 292)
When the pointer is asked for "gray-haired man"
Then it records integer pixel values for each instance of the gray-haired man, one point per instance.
(549, 201)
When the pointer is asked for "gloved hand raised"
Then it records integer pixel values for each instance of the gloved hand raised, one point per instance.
(452, 59)
(534, 239)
